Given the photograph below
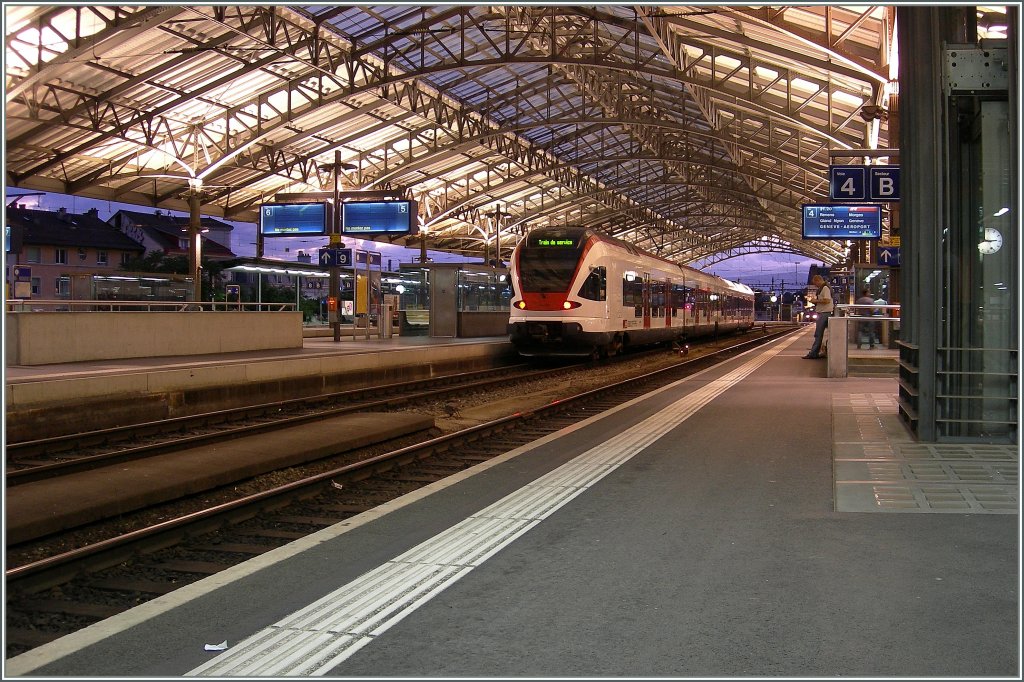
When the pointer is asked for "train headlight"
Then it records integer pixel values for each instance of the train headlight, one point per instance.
(569, 305)
(521, 305)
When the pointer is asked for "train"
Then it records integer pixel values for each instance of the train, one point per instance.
(579, 292)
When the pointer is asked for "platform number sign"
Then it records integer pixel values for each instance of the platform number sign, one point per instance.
(336, 257)
(884, 183)
(848, 183)
(864, 183)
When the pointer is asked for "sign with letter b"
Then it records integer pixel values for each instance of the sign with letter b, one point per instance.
(864, 183)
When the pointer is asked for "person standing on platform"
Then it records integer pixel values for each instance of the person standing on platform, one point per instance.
(824, 306)
(867, 332)
(882, 312)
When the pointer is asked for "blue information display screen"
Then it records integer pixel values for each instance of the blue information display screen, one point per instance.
(379, 217)
(835, 221)
(293, 220)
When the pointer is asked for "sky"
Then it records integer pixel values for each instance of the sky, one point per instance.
(756, 270)
(243, 237)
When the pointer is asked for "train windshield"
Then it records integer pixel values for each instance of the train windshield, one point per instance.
(549, 260)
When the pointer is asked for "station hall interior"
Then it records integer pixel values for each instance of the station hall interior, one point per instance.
(220, 208)
(698, 133)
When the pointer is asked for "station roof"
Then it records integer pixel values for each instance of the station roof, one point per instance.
(695, 131)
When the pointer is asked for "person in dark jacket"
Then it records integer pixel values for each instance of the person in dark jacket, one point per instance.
(867, 332)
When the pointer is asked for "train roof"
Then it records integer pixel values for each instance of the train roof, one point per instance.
(737, 286)
(589, 232)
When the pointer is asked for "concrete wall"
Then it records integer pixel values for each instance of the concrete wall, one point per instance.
(57, 404)
(41, 338)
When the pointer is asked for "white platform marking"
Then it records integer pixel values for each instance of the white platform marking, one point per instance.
(314, 640)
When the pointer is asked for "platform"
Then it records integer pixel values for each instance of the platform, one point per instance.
(45, 400)
(694, 532)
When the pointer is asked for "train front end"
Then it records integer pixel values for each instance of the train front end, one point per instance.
(558, 306)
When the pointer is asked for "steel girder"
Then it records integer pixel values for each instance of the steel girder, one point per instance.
(570, 103)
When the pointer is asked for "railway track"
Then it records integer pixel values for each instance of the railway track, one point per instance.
(47, 458)
(35, 460)
(56, 595)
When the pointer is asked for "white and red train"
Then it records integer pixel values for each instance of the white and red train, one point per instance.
(579, 292)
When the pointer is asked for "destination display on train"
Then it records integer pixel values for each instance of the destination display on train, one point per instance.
(842, 221)
(553, 241)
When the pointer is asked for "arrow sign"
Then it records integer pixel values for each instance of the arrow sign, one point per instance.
(889, 255)
(335, 257)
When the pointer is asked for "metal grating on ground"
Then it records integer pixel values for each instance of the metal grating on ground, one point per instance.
(879, 468)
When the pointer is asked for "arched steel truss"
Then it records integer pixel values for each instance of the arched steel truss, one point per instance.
(695, 131)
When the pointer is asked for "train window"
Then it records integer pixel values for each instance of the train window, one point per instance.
(681, 299)
(595, 285)
(547, 271)
(662, 298)
(657, 298)
(633, 291)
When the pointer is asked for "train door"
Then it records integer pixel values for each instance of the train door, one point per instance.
(647, 300)
(669, 307)
(690, 306)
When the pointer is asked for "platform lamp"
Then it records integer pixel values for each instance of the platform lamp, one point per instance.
(496, 216)
(334, 283)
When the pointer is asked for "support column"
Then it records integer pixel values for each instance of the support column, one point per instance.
(923, 216)
(334, 283)
(953, 151)
(195, 239)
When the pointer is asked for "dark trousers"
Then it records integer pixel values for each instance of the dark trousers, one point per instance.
(869, 333)
(819, 332)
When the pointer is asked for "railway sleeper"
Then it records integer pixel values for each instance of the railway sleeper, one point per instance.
(441, 472)
(321, 521)
(493, 450)
(233, 548)
(88, 610)
(30, 638)
(418, 478)
(349, 508)
(134, 585)
(183, 566)
(473, 458)
(270, 533)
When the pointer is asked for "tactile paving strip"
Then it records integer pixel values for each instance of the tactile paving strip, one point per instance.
(317, 638)
(879, 468)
